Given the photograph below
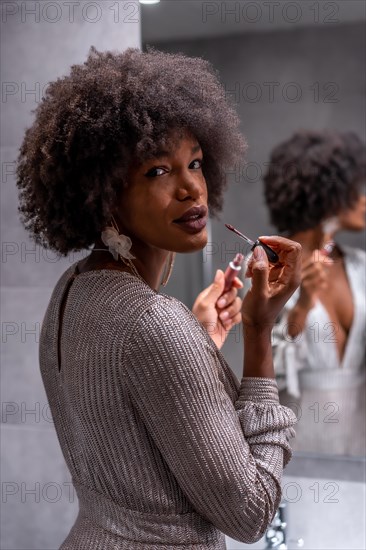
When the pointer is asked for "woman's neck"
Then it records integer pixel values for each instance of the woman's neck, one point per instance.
(311, 239)
(150, 270)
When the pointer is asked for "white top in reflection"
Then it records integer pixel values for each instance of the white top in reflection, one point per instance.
(328, 395)
(307, 360)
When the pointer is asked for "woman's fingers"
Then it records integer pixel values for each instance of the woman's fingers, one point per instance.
(289, 253)
(237, 283)
(265, 272)
(231, 312)
(231, 294)
(275, 241)
(230, 303)
(275, 272)
(259, 267)
(313, 274)
(230, 323)
(272, 285)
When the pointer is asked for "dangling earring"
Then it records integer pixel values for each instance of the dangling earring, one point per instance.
(119, 246)
(168, 269)
(330, 225)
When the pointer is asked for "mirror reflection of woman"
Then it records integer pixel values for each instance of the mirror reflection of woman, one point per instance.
(166, 448)
(314, 189)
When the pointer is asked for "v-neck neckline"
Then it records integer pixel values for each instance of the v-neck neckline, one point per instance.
(342, 363)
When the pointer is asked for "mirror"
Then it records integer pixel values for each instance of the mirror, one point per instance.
(286, 66)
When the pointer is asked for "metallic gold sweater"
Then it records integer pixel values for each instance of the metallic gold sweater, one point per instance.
(166, 449)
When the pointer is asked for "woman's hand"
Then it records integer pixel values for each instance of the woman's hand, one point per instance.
(272, 285)
(217, 311)
(314, 278)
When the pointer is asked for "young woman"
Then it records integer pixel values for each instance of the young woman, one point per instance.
(315, 188)
(165, 447)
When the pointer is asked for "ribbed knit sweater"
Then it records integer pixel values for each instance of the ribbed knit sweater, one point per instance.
(166, 449)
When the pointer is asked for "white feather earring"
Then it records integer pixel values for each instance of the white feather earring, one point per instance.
(330, 225)
(119, 246)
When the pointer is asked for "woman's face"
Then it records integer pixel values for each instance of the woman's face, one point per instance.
(165, 203)
(353, 218)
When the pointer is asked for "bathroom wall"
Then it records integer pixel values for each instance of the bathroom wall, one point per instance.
(39, 42)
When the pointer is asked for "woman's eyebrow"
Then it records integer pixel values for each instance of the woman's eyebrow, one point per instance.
(160, 154)
(164, 153)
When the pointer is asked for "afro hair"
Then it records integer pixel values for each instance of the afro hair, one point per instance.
(312, 176)
(91, 124)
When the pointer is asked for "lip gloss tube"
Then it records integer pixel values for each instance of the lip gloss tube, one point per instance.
(232, 271)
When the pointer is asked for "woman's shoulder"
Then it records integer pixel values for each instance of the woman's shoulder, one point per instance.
(119, 294)
(167, 320)
(351, 251)
(101, 289)
(166, 311)
(354, 256)
(64, 280)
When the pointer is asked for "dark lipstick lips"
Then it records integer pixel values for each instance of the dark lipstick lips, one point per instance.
(199, 211)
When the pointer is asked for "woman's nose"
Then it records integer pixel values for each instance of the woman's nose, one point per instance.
(190, 186)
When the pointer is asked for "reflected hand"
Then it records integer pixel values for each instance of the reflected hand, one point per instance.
(217, 311)
(314, 278)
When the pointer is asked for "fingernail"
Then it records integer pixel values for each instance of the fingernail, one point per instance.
(259, 253)
(221, 302)
(224, 315)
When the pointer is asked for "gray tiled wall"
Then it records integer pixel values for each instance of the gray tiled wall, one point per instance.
(40, 40)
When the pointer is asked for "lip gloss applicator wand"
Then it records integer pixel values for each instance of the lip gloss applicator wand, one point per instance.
(271, 254)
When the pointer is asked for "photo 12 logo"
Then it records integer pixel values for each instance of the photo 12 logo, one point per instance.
(289, 92)
(24, 492)
(121, 11)
(252, 12)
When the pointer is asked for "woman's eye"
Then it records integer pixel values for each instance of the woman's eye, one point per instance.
(153, 172)
(196, 164)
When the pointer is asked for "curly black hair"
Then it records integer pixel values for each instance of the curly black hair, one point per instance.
(312, 176)
(115, 108)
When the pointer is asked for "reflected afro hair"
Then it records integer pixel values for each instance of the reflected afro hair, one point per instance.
(115, 108)
(312, 176)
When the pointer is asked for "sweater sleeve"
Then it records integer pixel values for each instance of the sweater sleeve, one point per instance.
(289, 354)
(227, 457)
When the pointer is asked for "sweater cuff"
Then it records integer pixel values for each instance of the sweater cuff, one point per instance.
(258, 390)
